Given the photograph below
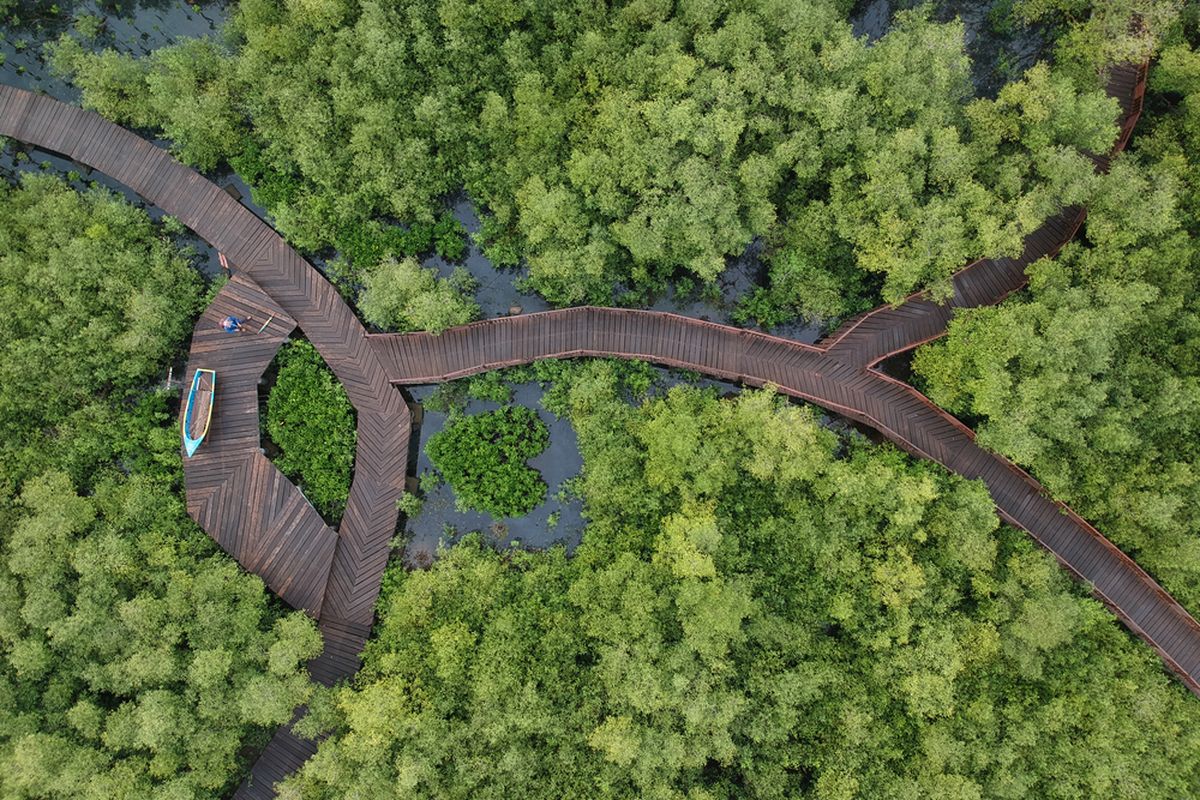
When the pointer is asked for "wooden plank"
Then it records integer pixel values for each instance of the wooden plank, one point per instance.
(257, 514)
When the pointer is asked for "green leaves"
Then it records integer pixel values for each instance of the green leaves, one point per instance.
(1088, 378)
(135, 660)
(186, 90)
(757, 610)
(619, 148)
(94, 303)
(311, 420)
(149, 665)
(403, 295)
(482, 457)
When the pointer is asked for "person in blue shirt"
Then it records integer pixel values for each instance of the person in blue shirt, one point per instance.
(233, 324)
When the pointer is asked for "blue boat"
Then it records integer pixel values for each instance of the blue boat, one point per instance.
(197, 414)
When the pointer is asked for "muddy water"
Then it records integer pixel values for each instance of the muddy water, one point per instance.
(497, 294)
(440, 523)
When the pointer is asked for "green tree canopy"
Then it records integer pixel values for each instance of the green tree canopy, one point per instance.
(483, 458)
(400, 294)
(310, 418)
(95, 300)
(136, 660)
(1091, 378)
(618, 146)
(751, 615)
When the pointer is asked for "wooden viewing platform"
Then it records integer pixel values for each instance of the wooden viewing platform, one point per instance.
(262, 519)
(233, 491)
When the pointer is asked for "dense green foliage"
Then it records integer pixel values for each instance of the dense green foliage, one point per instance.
(1093, 35)
(623, 145)
(402, 295)
(482, 457)
(136, 660)
(1092, 379)
(759, 609)
(310, 419)
(94, 301)
(752, 616)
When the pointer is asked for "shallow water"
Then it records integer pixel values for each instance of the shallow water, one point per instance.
(137, 28)
(497, 294)
(441, 523)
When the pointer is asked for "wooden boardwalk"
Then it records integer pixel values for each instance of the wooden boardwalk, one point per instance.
(895, 409)
(233, 492)
(259, 517)
(869, 338)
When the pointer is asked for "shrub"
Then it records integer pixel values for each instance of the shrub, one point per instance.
(401, 295)
(311, 420)
(483, 456)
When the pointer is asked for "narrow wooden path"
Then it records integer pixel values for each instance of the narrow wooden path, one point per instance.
(895, 409)
(234, 492)
(869, 338)
(242, 501)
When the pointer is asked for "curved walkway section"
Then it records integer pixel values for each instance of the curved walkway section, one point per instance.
(869, 338)
(898, 411)
(234, 492)
(243, 502)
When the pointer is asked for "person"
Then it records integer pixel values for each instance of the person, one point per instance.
(233, 324)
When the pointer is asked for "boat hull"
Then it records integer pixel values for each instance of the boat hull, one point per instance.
(197, 413)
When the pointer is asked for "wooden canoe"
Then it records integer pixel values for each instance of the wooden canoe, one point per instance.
(197, 414)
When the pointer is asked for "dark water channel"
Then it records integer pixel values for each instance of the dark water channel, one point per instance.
(558, 519)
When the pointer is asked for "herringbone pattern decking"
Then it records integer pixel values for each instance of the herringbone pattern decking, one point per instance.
(867, 396)
(234, 492)
(243, 502)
